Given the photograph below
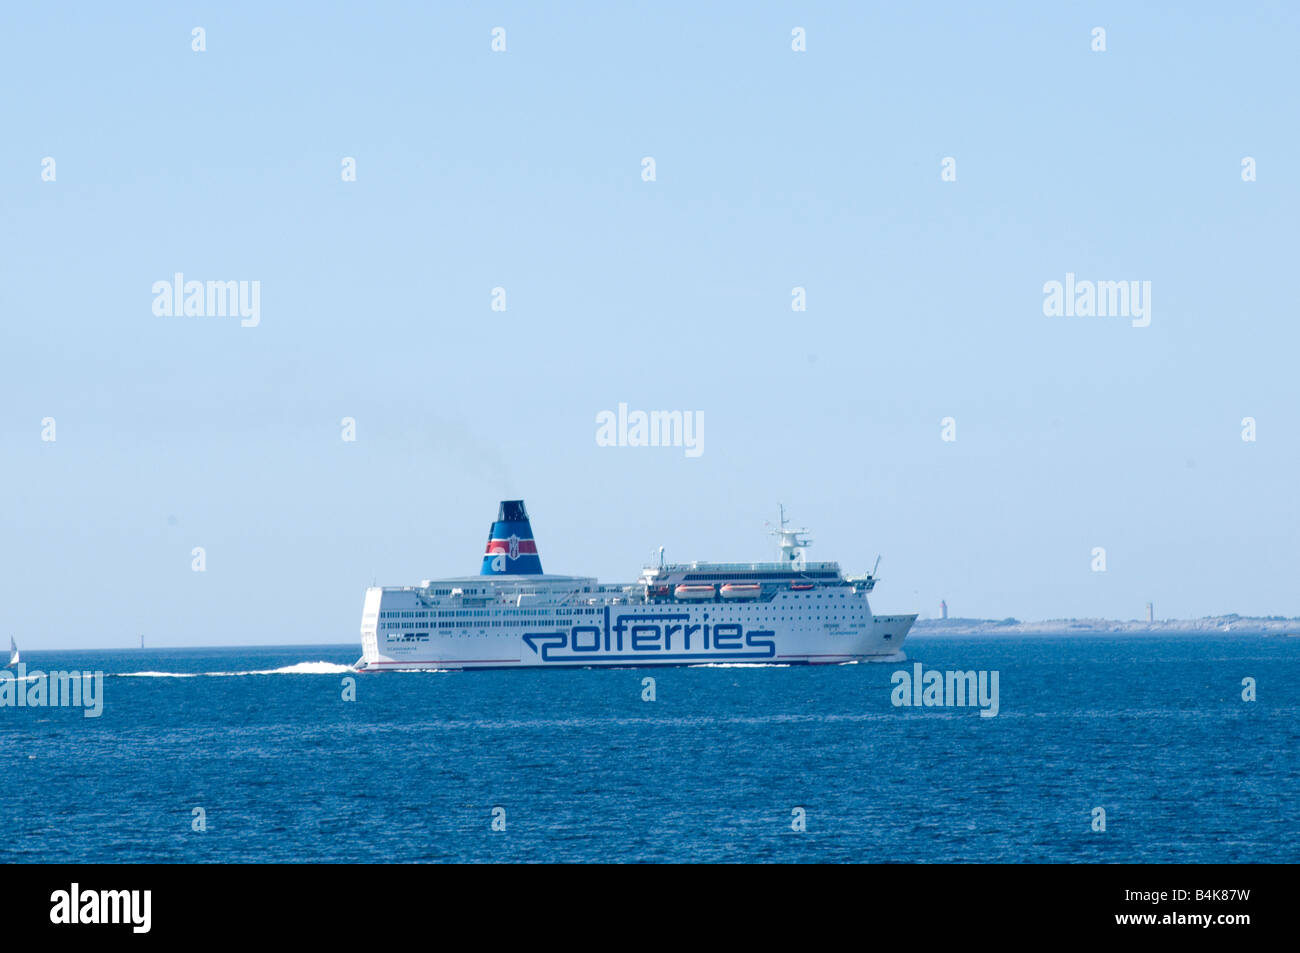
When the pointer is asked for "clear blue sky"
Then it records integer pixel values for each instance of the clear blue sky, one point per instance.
(522, 169)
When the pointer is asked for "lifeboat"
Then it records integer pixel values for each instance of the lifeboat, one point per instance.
(694, 592)
(741, 590)
(658, 590)
(802, 586)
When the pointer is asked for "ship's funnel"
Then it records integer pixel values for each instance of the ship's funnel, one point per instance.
(510, 546)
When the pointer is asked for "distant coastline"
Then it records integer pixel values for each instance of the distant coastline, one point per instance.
(1209, 625)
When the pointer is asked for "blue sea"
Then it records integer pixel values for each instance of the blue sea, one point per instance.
(721, 766)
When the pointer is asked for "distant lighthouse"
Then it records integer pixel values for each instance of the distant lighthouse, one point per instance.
(1151, 613)
(943, 608)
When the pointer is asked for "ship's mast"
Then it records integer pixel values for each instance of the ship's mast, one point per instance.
(792, 543)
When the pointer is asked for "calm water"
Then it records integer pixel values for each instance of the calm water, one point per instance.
(1152, 729)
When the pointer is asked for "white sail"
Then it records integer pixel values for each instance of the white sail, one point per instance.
(13, 653)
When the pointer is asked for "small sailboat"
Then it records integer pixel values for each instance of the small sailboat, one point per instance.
(14, 657)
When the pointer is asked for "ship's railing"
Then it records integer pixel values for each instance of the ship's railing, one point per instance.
(745, 567)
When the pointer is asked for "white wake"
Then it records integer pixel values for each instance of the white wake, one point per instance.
(298, 668)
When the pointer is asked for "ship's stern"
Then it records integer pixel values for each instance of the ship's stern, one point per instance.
(370, 627)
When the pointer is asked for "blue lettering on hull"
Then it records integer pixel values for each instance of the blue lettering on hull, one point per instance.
(669, 637)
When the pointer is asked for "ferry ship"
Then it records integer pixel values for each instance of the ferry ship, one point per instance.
(513, 615)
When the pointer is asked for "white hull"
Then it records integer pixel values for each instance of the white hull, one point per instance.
(514, 615)
(825, 627)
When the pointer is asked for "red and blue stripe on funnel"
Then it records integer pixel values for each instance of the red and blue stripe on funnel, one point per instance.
(511, 550)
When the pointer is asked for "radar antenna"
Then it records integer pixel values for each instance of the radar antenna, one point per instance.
(793, 542)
